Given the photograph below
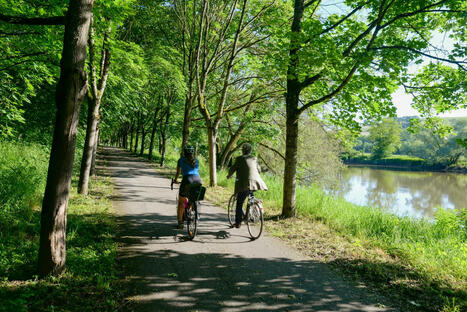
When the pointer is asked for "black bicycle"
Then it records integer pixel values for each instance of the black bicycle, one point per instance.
(196, 193)
(252, 215)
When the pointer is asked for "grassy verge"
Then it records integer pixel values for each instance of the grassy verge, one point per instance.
(404, 162)
(420, 264)
(90, 282)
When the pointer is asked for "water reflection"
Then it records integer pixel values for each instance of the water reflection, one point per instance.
(402, 192)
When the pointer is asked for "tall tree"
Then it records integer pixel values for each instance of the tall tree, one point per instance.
(386, 137)
(98, 84)
(354, 61)
(71, 89)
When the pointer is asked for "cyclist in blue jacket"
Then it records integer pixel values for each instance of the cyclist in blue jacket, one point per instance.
(188, 166)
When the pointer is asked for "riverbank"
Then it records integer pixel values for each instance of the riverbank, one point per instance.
(401, 162)
(418, 263)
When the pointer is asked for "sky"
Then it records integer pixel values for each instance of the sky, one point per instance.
(402, 102)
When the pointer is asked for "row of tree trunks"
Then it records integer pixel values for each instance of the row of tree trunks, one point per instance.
(138, 127)
(163, 129)
(153, 132)
(132, 129)
(71, 90)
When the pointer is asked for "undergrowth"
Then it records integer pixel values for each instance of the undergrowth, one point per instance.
(90, 281)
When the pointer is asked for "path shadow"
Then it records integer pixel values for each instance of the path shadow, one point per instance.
(177, 281)
(152, 228)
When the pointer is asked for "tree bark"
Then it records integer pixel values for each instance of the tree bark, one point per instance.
(187, 118)
(292, 99)
(164, 132)
(94, 150)
(230, 146)
(132, 128)
(153, 133)
(86, 161)
(290, 170)
(97, 89)
(138, 125)
(143, 137)
(71, 89)
(212, 136)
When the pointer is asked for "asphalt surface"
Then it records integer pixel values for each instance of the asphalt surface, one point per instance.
(221, 269)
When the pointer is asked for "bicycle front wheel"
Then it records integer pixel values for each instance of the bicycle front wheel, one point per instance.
(192, 221)
(255, 220)
(231, 209)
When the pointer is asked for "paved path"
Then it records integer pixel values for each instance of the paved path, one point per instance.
(221, 270)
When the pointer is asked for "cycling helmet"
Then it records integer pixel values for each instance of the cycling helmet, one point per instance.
(188, 150)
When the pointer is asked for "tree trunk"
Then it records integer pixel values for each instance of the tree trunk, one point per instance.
(89, 144)
(164, 133)
(131, 135)
(94, 150)
(290, 170)
(162, 149)
(143, 137)
(98, 85)
(187, 120)
(292, 99)
(212, 136)
(231, 145)
(71, 89)
(138, 125)
(153, 134)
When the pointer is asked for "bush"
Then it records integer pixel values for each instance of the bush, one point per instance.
(23, 171)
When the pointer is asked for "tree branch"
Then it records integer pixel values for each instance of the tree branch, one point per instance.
(309, 80)
(342, 20)
(458, 63)
(52, 20)
(333, 93)
(18, 33)
(408, 14)
(272, 149)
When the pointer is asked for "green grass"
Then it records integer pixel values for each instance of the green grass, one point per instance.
(393, 160)
(90, 281)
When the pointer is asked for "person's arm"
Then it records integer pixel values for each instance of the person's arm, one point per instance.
(179, 170)
(232, 170)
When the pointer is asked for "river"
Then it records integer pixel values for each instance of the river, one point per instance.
(404, 193)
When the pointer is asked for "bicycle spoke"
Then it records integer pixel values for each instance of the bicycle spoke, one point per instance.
(255, 221)
(231, 209)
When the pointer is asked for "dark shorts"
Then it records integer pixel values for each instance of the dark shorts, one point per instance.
(187, 180)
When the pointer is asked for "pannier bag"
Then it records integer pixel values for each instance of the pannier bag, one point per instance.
(196, 192)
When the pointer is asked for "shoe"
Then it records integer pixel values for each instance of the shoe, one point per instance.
(237, 225)
(180, 226)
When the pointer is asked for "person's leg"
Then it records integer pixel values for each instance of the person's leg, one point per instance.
(241, 196)
(181, 202)
(181, 206)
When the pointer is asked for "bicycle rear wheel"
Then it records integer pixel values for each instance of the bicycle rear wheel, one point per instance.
(231, 209)
(192, 221)
(255, 220)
